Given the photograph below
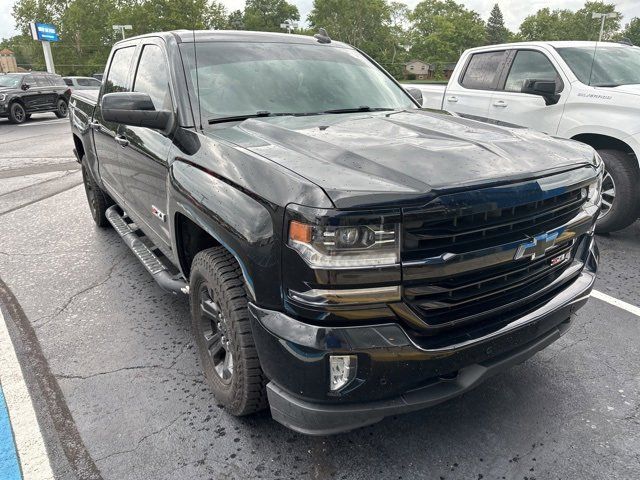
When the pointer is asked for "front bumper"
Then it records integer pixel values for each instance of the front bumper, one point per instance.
(395, 375)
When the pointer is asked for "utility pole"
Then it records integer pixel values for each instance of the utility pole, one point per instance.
(603, 16)
(122, 28)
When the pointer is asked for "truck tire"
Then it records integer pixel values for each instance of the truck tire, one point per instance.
(620, 193)
(17, 113)
(222, 329)
(98, 200)
(62, 109)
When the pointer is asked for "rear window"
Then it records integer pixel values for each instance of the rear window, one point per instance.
(483, 70)
(88, 82)
(57, 80)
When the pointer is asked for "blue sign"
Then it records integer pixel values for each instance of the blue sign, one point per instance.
(46, 32)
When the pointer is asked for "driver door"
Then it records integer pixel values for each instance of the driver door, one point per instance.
(30, 96)
(508, 104)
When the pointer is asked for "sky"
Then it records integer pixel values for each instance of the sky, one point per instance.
(514, 11)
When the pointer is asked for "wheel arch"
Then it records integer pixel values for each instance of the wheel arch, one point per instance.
(601, 142)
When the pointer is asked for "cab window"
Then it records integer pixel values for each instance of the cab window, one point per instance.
(119, 70)
(530, 65)
(42, 81)
(152, 77)
(483, 70)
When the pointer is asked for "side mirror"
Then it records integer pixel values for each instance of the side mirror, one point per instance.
(25, 86)
(542, 88)
(135, 109)
(416, 93)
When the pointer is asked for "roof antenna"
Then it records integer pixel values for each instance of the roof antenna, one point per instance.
(195, 59)
(322, 36)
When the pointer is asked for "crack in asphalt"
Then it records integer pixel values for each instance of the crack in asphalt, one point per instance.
(142, 439)
(169, 367)
(61, 309)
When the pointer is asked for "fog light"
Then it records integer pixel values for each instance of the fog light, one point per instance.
(342, 371)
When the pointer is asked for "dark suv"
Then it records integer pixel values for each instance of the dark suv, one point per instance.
(22, 94)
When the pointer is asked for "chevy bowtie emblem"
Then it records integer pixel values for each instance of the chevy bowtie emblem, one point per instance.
(537, 246)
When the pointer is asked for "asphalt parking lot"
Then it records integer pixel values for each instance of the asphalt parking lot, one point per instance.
(115, 382)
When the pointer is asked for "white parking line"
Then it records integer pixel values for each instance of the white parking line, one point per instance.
(34, 460)
(615, 302)
(48, 122)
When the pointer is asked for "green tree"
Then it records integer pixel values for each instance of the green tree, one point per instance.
(545, 25)
(236, 20)
(550, 25)
(443, 29)
(496, 32)
(632, 31)
(267, 15)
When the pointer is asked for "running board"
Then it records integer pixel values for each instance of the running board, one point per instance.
(157, 269)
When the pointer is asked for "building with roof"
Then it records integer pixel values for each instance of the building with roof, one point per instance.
(8, 62)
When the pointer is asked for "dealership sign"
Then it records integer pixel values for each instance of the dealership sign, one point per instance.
(44, 32)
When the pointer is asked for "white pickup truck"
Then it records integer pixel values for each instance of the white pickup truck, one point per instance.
(579, 90)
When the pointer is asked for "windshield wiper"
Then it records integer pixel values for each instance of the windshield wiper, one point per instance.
(606, 85)
(237, 118)
(363, 108)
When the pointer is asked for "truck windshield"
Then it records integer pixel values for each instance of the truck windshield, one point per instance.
(11, 81)
(612, 66)
(258, 79)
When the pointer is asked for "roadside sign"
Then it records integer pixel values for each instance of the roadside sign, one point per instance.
(44, 32)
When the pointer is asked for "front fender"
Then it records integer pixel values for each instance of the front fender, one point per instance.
(247, 226)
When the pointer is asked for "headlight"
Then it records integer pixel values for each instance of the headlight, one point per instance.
(328, 239)
(3, 97)
(594, 189)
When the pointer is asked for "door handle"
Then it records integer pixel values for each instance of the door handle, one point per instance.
(452, 99)
(95, 125)
(123, 142)
(500, 104)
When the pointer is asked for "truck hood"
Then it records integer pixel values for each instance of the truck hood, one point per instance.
(361, 159)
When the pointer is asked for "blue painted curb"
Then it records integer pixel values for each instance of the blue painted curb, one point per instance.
(9, 464)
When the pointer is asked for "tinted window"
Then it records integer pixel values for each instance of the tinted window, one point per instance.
(530, 65)
(152, 77)
(483, 70)
(117, 77)
(42, 81)
(88, 82)
(58, 80)
(68, 81)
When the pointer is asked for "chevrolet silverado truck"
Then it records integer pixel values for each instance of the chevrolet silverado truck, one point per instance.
(346, 254)
(586, 91)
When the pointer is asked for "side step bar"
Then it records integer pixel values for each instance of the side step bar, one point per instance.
(158, 270)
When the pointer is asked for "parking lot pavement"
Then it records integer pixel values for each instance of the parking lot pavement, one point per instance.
(114, 377)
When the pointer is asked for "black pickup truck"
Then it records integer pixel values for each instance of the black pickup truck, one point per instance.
(347, 255)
